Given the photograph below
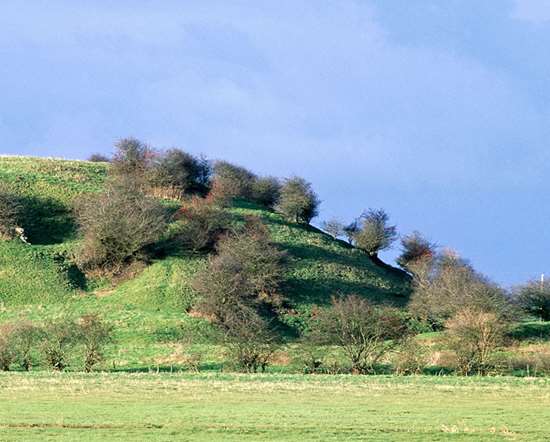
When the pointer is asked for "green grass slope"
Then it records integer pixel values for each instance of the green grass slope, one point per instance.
(38, 281)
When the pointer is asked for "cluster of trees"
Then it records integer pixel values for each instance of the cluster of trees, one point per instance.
(26, 343)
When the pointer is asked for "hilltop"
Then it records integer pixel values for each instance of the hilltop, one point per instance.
(38, 279)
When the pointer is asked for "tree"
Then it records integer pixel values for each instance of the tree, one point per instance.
(132, 158)
(94, 333)
(231, 181)
(298, 202)
(266, 191)
(117, 226)
(182, 172)
(200, 224)
(534, 299)
(98, 158)
(10, 210)
(333, 227)
(446, 284)
(474, 335)
(374, 233)
(415, 249)
(365, 332)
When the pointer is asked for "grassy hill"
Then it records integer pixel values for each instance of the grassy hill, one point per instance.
(38, 280)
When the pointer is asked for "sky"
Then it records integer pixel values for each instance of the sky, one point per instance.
(437, 111)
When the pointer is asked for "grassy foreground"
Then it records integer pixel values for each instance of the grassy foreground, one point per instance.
(69, 406)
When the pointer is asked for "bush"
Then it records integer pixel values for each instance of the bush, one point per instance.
(24, 337)
(446, 284)
(364, 332)
(60, 337)
(94, 334)
(230, 182)
(132, 158)
(411, 358)
(117, 226)
(201, 224)
(10, 210)
(374, 234)
(244, 275)
(415, 249)
(266, 191)
(181, 172)
(474, 335)
(251, 340)
(98, 158)
(334, 228)
(534, 299)
(7, 351)
(298, 202)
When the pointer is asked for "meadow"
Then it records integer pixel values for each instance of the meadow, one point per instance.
(233, 407)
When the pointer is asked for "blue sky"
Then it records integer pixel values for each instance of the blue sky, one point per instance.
(438, 111)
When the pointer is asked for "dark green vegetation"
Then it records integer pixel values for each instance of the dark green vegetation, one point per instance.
(147, 306)
(164, 407)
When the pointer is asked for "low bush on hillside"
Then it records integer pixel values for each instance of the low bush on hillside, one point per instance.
(297, 201)
(181, 173)
(266, 191)
(117, 226)
(373, 232)
(534, 299)
(231, 181)
(200, 224)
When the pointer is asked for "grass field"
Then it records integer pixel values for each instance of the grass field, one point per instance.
(69, 406)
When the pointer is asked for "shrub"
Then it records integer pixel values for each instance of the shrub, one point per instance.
(117, 226)
(374, 234)
(446, 284)
(244, 275)
(298, 202)
(411, 358)
(350, 231)
(534, 299)
(231, 181)
(94, 334)
(415, 249)
(60, 337)
(132, 158)
(251, 340)
(266, 191)
(7, 351)
(200, 224)
(182, 172)
(98, 158)
(24, 337)
(334, 228)
(10, 210)
(474, 335)
(364, 332)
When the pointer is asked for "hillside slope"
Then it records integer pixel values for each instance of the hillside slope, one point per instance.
(38, 279)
